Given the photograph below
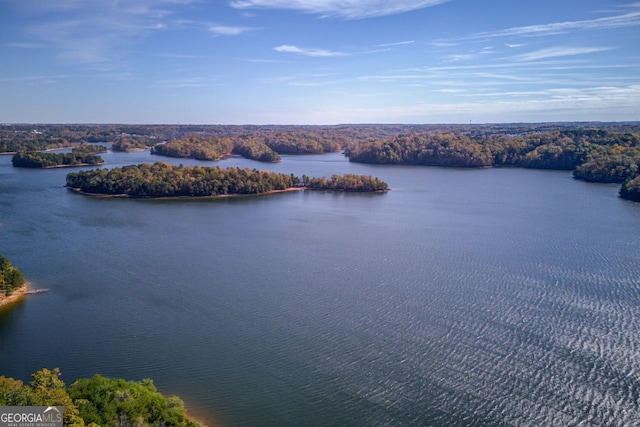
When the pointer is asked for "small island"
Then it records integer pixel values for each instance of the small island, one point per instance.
(83, 155)
(162, 180)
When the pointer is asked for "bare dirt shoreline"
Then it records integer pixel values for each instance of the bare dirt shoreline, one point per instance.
(17, 295)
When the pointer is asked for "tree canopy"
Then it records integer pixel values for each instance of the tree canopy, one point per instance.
(37, 159)
(165, 180)
(10, 277)
(97, 401)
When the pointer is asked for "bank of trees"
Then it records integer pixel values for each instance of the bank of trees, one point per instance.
(164, 180)
(348, 182)
(261, 145)
(97, 401)
(250, 148)
(562, 150)
(631, 189)
(11, 277)
(301, 141)
(81, 155)
(196, 147)
(595, 155)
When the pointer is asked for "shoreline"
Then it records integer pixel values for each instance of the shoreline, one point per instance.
(16, 296)
(218, 196)
(69, 166)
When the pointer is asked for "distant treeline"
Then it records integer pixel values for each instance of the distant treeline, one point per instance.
(10, 277)
(81, 155)
(97, 401)
(598, 152)
(164, 180)
(594, 155)
(262, 146)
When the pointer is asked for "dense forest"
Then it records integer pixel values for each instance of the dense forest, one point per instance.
(631, 189)
(348, 182)
(81, 155)
(264, 146)
(11, 277)
(97, 401)
(596, 152)
(594, 155)
(196, 147)
(164, 180)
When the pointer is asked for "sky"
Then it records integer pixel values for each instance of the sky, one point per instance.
(318, 61)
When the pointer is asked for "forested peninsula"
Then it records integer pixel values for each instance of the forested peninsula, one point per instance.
(11, 279)
(97, 401)
(594, 155)
(165, 180)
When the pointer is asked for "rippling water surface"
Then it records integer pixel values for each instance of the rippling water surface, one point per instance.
(461, 297)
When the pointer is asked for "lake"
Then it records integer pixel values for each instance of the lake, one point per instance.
(460, 297)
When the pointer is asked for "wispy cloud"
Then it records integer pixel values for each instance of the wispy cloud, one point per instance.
(265, 61)
(224, 30)
(94, 32)
(188, 82)
(179, 56)
(350, 9)
(46, 79)
(595, 103)
(396, 43)
(558, 51)
(307, 52)
(26, 45)
(618, 21)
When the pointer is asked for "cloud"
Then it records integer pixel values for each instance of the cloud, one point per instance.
(625, 20)
(21, 45)
(94, 32)
(45, 79)
(596, 103)
(188, 82)
(223, 30)
(350, 9)
(396, 43)
(558, 51)
(307, 52)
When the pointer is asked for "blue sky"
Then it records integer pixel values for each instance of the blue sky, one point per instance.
(318, 61)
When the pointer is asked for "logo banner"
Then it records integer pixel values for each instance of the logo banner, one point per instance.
(31, 416)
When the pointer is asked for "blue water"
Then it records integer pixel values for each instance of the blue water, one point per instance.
(461, 297)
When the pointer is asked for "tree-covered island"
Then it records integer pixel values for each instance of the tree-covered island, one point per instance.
(165, 180)
(82, 155)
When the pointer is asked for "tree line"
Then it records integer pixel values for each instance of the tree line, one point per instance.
(81, 155)
(261, 145)
(594, 155)
(11, 277)
(348, 182)
(97, 401)
(165, 180)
